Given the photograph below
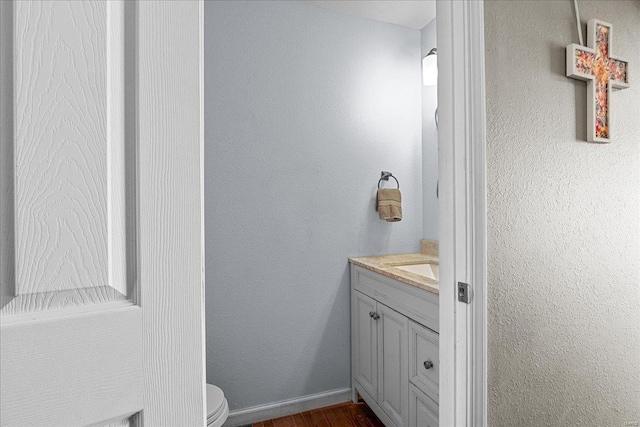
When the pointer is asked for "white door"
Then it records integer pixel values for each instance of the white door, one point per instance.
(393, 364)
(101, 282)
(365, 342)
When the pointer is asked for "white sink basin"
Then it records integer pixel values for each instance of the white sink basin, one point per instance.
(430, 271)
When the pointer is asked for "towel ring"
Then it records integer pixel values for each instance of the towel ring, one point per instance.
(385, 177)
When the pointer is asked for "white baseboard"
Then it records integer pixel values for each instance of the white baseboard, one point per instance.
(287, 407)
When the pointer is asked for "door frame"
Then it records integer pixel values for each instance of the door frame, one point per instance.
(462, 212)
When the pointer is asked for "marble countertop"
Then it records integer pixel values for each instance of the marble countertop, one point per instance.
(387, 266)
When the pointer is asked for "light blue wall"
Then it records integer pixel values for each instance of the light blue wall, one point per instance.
(429, 142)
(304, 107)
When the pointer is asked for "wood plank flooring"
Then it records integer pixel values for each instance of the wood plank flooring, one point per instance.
(347, 414)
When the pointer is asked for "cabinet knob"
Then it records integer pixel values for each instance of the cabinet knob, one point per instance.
(428, 364)
(374, 315)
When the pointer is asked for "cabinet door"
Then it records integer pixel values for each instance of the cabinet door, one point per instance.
(393, 364)
(365, 342)
(423, 412)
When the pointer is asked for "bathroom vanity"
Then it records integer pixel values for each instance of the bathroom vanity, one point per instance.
(394, 337)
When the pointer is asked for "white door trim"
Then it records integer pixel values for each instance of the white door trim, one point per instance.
(463, 254)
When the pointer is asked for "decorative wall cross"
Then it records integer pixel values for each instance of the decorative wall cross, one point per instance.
(595, 64)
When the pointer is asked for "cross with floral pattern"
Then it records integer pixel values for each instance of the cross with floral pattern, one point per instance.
(602, 71)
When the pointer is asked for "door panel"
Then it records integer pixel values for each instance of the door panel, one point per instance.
(366, 343)
(69, 148)
(393, 365)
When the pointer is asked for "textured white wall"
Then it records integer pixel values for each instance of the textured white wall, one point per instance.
(564, 224)
(304, 107)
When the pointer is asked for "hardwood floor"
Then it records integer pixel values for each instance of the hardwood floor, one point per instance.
(347, 414)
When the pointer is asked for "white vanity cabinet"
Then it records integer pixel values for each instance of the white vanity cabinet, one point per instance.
(394, 348)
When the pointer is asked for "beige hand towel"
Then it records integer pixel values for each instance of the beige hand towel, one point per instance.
(389, 204)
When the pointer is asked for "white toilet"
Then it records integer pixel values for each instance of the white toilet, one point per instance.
(217, 407)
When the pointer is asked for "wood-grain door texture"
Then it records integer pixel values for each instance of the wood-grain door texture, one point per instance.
(101, 287)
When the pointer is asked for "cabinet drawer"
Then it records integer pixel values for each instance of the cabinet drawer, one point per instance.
(424, 359)
(409, 300)
(423, 412)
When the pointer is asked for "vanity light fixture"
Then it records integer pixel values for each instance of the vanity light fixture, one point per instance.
(430, 68)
